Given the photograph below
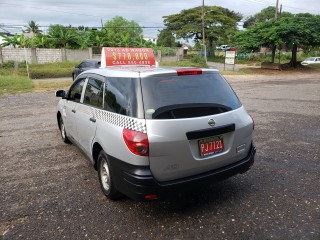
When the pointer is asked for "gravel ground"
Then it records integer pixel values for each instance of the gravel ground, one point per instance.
(49, 190)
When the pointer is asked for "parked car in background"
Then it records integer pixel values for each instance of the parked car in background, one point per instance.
(226, 48)
(311, 60)
(85, 65)
(223, 47)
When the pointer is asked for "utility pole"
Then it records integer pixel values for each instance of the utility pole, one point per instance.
(203, 34)
(274, 46)
(277, 10)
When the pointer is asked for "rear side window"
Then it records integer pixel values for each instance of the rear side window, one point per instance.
(167, 97)
(121, 96)
(93, 94)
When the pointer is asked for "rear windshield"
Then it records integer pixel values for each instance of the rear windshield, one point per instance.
(169, 97)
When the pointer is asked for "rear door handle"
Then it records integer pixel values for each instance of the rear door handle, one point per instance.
(92, 119)
(73, 110)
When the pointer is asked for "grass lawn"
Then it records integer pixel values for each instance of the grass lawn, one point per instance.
(36, 71)
(19, 84)
(15, 84)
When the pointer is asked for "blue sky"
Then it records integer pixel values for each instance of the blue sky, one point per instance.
(147, 13)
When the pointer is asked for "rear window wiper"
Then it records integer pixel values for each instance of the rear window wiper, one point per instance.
(189, 110)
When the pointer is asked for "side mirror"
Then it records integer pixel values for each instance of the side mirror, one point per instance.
(77, 96)
(61, 93)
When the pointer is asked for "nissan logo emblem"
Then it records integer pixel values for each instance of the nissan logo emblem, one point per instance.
(211, 122)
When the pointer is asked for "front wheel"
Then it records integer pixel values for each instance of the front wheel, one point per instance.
(63, 131)
(106, 177)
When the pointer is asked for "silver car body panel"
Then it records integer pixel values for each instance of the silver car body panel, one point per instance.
(107, 131)
(173, 156)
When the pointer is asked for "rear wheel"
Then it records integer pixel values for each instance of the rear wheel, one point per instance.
(63, 131)
(106, 177)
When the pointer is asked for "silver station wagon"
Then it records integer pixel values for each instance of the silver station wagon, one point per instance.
(152, 132)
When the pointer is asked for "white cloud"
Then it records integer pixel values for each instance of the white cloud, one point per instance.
(147, 13)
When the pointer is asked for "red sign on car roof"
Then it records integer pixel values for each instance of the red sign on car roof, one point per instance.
(127, 56)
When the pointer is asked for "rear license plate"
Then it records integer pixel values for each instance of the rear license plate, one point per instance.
(210, 146)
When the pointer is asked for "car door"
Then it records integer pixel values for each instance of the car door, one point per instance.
(86, 120)
(69, 109)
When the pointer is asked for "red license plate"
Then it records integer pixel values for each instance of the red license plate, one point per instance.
(210, 146)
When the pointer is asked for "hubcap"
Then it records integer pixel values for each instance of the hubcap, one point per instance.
(63, 133)
(104, 175)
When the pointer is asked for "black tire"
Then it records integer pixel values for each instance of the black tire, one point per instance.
(106, 177)
(64, 137)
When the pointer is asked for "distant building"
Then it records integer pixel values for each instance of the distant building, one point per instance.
(150, 39)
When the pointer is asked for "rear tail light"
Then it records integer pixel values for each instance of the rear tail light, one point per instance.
(137, 142)
(189, 71)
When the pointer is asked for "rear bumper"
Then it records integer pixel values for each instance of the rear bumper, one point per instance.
(137, 181)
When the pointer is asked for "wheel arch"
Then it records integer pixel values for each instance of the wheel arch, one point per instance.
(58, 119)
(96, 149)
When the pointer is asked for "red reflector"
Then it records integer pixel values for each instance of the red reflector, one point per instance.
(150, 197)
(137, 142)
(189, 71)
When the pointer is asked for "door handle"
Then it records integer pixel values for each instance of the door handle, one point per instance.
(92, 119)
(73, 110)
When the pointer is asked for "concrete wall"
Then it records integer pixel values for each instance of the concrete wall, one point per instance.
(46, 55)
(43, 55)
(77, 55)
(15, 54)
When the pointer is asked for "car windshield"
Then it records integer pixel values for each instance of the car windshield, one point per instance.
(167, 97)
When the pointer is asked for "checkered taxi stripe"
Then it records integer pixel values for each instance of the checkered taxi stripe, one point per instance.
(134, 124)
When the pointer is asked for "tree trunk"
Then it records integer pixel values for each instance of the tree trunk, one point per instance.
(273, 52)
(293, 61)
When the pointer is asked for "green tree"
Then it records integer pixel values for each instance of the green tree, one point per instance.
(294, 31)
(122, 33)
(264, 15)
(33, 27)
(219, 24)
(61, 36)
(16, 41)
(40, 41)
(166, 38)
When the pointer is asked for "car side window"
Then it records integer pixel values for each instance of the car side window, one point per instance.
(76, 90)
(93, 94)
(120, 96)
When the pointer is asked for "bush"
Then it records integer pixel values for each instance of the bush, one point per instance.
(195, 58)
(192, 60)
(165, 51)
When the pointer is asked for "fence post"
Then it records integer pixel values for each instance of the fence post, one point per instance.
(159, 55)
(179, 54)
(63, 54)
(34, 55)
(1, 59)
(90, 53)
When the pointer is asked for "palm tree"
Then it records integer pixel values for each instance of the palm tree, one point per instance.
(61, 36)
(33, 27)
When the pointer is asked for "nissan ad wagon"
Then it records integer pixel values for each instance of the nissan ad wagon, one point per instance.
(151, 131)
